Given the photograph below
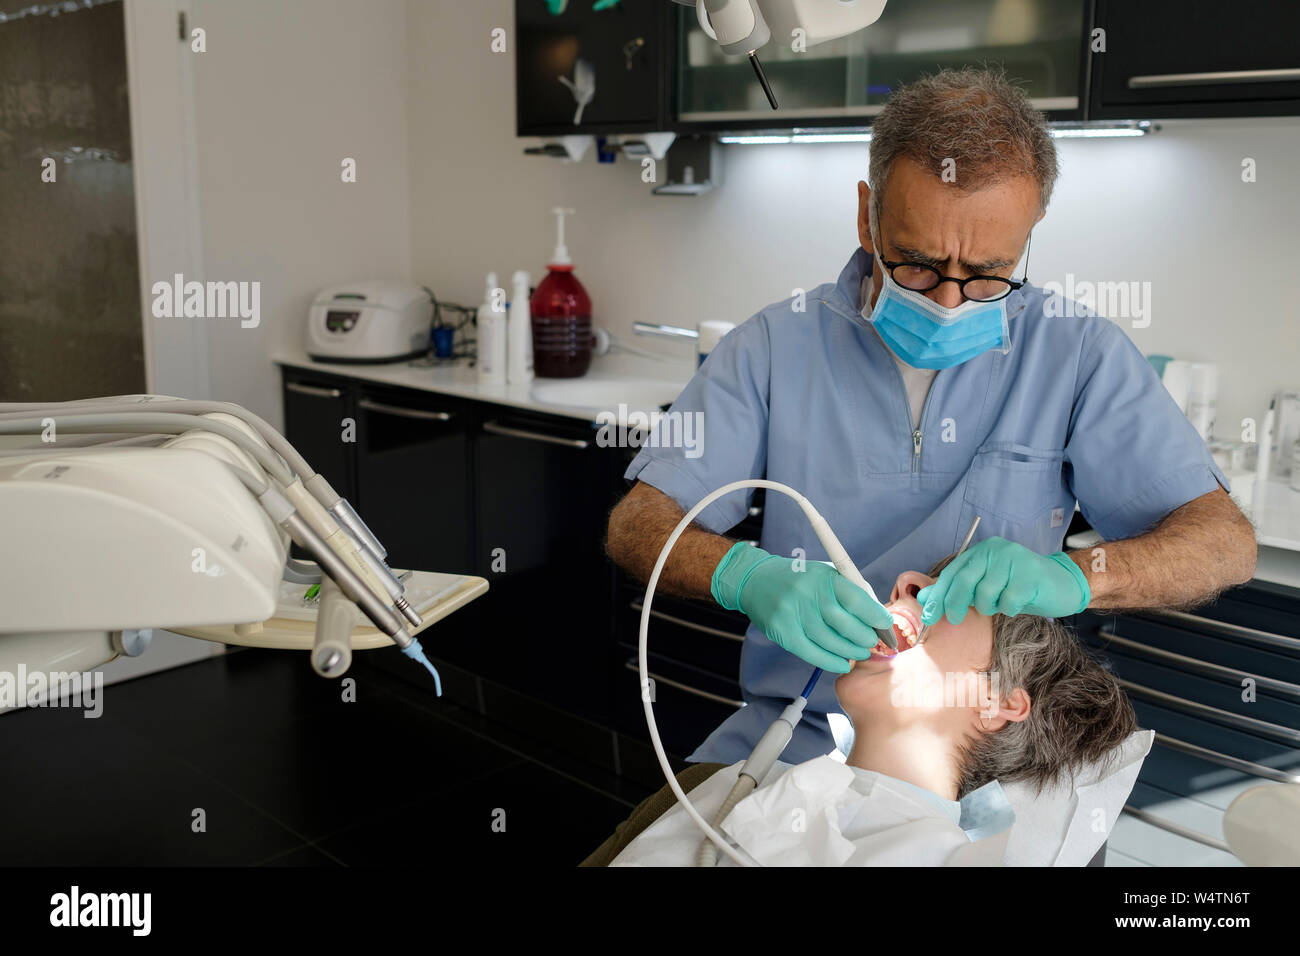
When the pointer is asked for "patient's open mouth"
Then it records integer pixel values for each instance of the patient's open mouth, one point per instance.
(906, 629)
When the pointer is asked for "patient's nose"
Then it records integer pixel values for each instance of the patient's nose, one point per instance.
(908, 584)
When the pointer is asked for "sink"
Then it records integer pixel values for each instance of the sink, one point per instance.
(644, 394)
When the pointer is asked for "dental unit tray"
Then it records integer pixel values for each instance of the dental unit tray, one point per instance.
(292, 626)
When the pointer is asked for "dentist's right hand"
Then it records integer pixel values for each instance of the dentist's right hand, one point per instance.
(814, 612)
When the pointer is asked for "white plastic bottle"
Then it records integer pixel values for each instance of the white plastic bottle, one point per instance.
(492, 335)
(519, 339)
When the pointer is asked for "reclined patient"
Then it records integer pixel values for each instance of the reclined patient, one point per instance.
(936, 727)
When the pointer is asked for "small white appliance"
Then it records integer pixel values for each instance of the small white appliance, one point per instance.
(369, 321)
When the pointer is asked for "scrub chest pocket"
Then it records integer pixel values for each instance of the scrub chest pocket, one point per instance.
(1020, 494)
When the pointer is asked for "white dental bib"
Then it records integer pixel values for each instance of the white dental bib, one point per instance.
(825, 813)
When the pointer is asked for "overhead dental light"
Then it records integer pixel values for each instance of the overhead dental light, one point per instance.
(745, 26)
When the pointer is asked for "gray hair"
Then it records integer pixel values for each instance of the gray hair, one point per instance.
(1078, 713)
(974, 117)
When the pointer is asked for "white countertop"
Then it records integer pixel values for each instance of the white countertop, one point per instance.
(461, 380)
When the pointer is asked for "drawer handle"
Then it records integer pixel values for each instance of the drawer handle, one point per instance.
(702, 628)
(1176, 828)
(1227, 760)
(1248, 634)
(1158, 80)
(1224, 718)
(315, 391)
(399, 412)
(1197, 665)
(633, 665)
(498, 429)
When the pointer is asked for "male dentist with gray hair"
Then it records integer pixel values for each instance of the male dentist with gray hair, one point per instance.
(929, 384)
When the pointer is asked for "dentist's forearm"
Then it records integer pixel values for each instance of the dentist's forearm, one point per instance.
(638, 528)
(1195, 553)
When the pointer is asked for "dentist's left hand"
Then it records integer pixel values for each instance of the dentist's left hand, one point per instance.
(998, 576)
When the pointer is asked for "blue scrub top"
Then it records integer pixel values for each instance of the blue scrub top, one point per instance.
(806, 393)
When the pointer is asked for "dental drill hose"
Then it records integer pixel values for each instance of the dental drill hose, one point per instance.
(316, 483)
(843, 563)
(770, 747)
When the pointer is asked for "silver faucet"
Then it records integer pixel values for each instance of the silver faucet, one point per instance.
(664, 331)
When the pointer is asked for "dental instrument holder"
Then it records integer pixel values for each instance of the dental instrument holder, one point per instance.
(331, 654)
(925, 631)
(785, 724)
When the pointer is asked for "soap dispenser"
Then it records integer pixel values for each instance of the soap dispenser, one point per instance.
(561, 315)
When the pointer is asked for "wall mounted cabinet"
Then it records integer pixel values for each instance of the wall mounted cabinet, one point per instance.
(1196, 58)
(656, 69)
(626, 52)
(846, 81)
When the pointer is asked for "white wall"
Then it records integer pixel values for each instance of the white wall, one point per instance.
(285, 91)
(1169, 209)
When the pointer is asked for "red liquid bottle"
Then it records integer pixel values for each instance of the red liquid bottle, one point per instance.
(560, 311)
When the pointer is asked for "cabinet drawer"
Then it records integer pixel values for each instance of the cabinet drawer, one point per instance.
(702, 637)
(317, 411)
(688, 703)
(1186, 674)
(413, 477)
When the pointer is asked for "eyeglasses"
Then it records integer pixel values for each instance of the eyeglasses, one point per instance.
(919, 277)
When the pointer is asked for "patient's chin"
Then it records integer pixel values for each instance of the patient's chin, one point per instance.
(862, 690)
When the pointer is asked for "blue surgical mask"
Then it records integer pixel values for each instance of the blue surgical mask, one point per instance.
(925, 334)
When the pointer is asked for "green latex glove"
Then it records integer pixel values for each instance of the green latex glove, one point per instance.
(998, 576)
(815, 613)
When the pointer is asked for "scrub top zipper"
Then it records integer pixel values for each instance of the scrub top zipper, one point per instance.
(925, 406)
(907, 402)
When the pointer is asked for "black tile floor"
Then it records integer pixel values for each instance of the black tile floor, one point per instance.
(288, 774)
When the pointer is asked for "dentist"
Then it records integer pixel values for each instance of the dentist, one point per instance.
(929, 384)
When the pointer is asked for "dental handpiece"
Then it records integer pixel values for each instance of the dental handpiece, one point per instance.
(964, 545)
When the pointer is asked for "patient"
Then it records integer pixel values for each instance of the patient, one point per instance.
(1000, 698)
(992, 698)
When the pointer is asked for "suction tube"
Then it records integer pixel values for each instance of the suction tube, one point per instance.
(839, 557)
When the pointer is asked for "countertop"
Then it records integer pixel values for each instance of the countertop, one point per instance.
(461, 380)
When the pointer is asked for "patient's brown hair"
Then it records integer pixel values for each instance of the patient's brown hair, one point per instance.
(1078, 713)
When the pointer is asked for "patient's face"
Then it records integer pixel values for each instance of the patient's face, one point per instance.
(920, 682)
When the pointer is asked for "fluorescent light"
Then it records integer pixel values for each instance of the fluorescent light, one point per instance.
(1102, 131)
(1061, 131)
(766, 139)
(832, 137)
(1095, 133)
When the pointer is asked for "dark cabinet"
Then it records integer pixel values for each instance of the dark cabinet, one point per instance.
(317, 413)
(1185, 58)
(1220, 685)
(694, 657)
(413, 477)
(521, 499)
(544, 492)
(624, 49)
